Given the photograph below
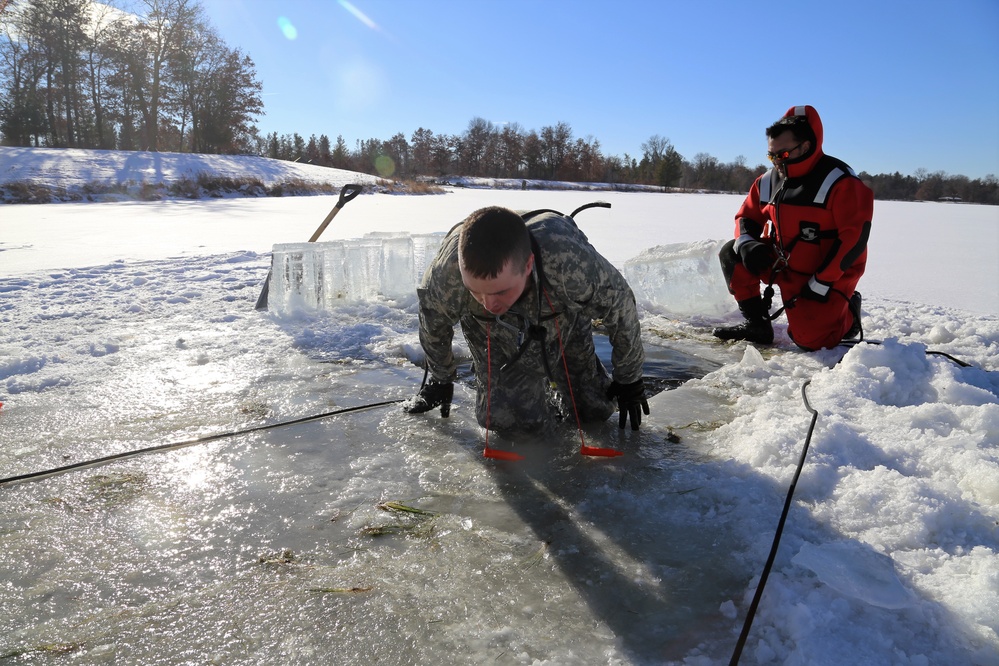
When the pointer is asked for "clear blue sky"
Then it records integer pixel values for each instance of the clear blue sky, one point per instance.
(901, 85)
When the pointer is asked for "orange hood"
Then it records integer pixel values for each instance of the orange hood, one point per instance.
(800, 168)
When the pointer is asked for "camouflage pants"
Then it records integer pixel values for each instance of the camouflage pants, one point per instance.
(518, 397)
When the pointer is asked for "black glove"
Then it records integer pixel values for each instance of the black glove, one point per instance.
(433, 394)
(629, 398)
(757, 256)
(816, 290)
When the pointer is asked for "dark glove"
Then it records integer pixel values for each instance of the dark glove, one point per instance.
(629, 398)
(431, 395)
(757, 256)
(816, 290)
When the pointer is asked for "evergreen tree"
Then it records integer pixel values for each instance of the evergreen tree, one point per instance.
(341, 154)
(325, 158)
(312, 150)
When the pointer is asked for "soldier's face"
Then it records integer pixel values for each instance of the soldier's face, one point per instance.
(499, 293)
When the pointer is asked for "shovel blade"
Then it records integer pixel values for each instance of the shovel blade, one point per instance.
(262, 299)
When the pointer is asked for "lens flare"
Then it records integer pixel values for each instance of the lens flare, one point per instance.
(358, 14)
(287, 28)
(385, 166)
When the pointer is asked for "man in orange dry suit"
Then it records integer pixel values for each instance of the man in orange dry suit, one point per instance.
(803, 227)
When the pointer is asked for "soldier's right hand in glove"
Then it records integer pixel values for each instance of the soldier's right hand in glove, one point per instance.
(631, 401)
(432, 394)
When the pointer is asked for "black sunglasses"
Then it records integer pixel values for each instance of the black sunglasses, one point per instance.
(781, 155)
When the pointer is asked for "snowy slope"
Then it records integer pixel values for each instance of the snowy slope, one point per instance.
(73, 169)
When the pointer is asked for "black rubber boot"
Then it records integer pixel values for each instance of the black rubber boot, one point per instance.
(757, 327)
(856, 329)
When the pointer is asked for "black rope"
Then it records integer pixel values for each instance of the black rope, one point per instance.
(780, 529)
(961, 363)
(929, 352)
(34, 476)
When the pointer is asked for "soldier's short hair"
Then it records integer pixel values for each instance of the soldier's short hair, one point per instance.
(489, 238)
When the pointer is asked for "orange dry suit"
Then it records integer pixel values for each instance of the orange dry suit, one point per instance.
(818, 218)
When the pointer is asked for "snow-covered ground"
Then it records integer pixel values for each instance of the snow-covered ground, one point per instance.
(126, 325)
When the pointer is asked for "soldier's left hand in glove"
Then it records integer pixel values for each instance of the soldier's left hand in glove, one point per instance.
(631, 401)
(432, 394)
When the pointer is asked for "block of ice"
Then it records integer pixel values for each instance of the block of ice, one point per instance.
(682, 278)
(857, 571)
(319, 276)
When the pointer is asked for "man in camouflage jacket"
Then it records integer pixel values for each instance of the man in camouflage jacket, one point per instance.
(526, 295)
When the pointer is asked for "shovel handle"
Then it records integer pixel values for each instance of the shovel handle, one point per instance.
(347, 193)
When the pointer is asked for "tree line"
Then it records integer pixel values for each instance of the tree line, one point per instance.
(508, 151)
(155, 75)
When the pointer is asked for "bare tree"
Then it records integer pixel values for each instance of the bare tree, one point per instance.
(442, 153)
(511, 150)
(534, 163)
(98, 62)
(472, 150)
(160, 34)
(22, 115)
(55, 27)
(398, 149)
(554, 147)
(421, 146)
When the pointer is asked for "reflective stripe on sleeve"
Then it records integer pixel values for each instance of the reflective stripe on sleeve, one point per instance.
(818, 287)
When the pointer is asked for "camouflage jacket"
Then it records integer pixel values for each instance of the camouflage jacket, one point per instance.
(577, 282)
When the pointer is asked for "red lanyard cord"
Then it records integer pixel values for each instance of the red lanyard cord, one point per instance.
(499, 454)
(583, 448)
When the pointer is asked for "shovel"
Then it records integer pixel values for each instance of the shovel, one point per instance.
(346, 194)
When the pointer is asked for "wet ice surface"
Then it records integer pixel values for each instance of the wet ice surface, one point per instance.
(273, 543)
